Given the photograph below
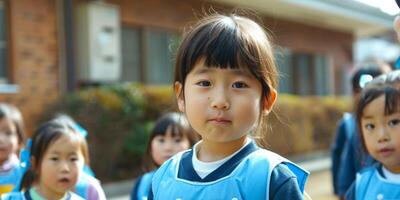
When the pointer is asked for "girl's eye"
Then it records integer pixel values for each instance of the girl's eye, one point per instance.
(178, 140)
(54, 159)
(161, 140)
(394, 122)
(204, 83)
(239, 85)
(369, 126)
(8, 133)
(73, 159)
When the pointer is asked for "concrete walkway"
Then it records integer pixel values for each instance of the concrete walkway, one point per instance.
(319, 184)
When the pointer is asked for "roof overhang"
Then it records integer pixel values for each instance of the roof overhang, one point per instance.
(343, 15)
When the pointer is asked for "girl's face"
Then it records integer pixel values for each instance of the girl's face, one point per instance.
(8, 139)
(222, 105)
(60, 167)
(382, 134)
(165, 146)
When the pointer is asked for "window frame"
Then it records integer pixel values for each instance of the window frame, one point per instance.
(290, 61)
(145, 31)
(6, 83)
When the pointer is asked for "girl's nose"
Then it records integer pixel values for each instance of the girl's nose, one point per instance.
(220, 101)
(169, 145)
(383, 135)
(64, 166)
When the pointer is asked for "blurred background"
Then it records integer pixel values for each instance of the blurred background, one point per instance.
(109, 64)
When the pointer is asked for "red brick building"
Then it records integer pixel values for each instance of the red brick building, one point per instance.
(39, 44)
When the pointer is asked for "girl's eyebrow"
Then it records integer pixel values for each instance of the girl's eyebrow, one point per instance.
(237, 72)
(203, 70)
(58, 153)
(367, 117)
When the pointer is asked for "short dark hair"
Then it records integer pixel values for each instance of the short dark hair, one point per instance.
(372, 68)
(387, 85)
(228, 42)
(12, 113)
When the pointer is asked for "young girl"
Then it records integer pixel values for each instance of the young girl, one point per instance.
(57, 157)
(11, 140)
(225, 80)
(87, 187)
(378, 116)
(347, 155)
(170, 135)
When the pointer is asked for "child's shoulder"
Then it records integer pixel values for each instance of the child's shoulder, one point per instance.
(370, 169)
(263, 155)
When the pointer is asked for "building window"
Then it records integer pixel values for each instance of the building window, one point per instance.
(3, 44)
(304, 73)
(147, 55)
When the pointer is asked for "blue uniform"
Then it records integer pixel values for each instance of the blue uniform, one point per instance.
(142, 187)
(370, 184)
(247, 175)
(348, 156)
(10, 175)
(343, 132)
(397, 63)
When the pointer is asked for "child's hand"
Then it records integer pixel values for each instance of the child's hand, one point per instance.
(396, 25)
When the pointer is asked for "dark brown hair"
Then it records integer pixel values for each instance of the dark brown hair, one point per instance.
(229, 41)
(387, 85)
(372, 68)
(12, 113)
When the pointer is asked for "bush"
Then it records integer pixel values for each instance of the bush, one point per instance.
(304, 124)
(119, 118)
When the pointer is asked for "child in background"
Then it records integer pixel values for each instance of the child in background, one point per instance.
(88, 187)
(225, 83)
(347, 155)
(170, 135)
(11, 140)
(378, 116)
(57, 157)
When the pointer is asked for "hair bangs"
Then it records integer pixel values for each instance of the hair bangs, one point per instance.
(392, 101)
(219, 44)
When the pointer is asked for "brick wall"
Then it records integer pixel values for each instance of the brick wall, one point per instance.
(33, 57)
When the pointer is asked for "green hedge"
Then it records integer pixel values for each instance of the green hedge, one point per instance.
(119, 118)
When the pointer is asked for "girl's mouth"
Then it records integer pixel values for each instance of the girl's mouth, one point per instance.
(220, 121)
(386, 152)
(64, 181)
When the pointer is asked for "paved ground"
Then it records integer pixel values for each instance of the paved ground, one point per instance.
(319, 186)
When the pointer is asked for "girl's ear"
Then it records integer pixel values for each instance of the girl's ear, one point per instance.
(178, 89)
(269, 101)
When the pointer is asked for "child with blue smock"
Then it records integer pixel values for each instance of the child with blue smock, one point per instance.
(225, 84)
(378, 118)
